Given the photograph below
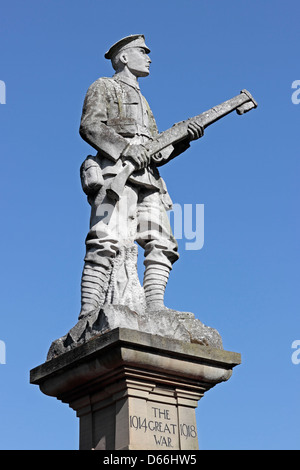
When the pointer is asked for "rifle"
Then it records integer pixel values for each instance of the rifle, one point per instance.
(242, 103)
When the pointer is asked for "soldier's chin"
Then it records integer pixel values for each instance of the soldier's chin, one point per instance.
(144, 73)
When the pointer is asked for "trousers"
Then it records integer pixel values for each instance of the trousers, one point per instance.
(139, 216)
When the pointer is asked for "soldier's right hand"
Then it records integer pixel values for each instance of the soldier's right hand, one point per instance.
(138, 154)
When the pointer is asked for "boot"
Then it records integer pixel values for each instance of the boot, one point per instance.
(155, 280)
(93, 280)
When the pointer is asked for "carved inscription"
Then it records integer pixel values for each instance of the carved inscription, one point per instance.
(162, 427)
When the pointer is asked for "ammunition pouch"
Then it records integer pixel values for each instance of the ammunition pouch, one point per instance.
(91, 175)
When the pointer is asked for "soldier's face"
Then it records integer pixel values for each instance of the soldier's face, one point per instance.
(138, 61)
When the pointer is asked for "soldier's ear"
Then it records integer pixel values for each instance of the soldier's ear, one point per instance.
(123, 58)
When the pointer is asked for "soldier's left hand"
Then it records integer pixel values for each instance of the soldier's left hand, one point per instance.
(195, 131)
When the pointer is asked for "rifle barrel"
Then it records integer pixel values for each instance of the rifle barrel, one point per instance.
(179, 131)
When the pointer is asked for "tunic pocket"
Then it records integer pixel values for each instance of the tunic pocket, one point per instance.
(126, 127)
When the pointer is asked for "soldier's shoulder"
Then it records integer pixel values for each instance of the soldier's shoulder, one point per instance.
(104, 83)
(104, 80)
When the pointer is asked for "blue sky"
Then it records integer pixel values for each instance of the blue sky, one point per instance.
(244, 281)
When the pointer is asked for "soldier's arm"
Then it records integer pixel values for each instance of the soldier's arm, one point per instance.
(93, 128)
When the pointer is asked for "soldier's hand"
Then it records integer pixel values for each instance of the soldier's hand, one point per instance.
(195, 131)
(138, 154)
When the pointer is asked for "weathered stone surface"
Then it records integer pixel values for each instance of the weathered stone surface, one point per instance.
(124, 287)
(166, 323)
(129, 202)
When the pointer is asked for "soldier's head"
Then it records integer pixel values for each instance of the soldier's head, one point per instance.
(131, 53)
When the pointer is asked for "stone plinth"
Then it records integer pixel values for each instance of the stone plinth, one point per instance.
(135, 391)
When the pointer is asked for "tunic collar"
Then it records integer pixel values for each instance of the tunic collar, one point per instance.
(129, 81)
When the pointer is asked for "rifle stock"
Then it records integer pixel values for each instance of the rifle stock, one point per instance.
(241, 103)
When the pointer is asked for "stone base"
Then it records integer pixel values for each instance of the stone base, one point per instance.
(134, 390)
(168, 323)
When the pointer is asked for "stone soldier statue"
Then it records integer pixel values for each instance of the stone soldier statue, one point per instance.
(117, 121)
(129, 203)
